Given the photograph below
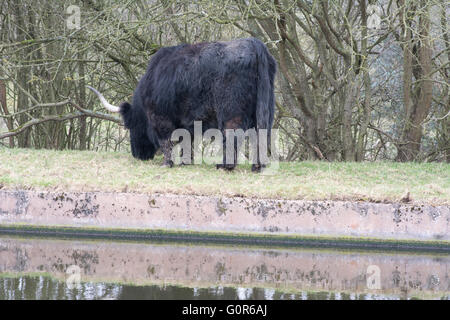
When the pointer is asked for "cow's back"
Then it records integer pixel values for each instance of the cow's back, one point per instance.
(204, 81)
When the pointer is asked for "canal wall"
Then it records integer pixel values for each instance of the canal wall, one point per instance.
(189, 213)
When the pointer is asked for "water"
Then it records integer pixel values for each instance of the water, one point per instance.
(46, 288)
(67, 269)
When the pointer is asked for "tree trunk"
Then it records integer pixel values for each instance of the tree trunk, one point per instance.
(82, 134)
(365, 114)
(4, 108)
(422, 89)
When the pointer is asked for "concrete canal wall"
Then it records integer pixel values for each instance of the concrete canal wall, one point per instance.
(338, 219)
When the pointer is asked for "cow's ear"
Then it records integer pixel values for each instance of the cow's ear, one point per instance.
(125, 111)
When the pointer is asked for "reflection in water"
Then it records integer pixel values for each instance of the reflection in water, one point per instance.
(38, 268)
(46, 288)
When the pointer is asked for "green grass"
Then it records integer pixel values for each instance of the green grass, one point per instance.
(117, 171)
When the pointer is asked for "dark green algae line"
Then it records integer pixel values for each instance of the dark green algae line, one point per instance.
(247, 239)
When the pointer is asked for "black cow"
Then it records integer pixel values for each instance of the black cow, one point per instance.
(226, 85)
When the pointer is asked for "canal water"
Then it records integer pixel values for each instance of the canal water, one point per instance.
(68, 269)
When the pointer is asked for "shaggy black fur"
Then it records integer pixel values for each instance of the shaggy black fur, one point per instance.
(226, 85)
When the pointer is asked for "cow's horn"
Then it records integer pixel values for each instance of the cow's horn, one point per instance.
(105, 103)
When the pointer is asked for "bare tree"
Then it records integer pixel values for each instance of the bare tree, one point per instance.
(348, 89)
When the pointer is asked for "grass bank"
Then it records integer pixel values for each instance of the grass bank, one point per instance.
(116, 171)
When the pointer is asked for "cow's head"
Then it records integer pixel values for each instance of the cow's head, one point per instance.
(144, 143)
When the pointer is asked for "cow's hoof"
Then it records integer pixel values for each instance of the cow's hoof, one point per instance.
(228, 167)
(168, 164)
(257, 167)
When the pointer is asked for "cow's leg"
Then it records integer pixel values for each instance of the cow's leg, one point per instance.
(222, 165)
(185, 160)
(234, 124)
(227, 165)
(258, 166)
(164, 128)
(166, 148)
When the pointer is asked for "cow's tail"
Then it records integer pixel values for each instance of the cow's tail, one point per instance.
(265, 100)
